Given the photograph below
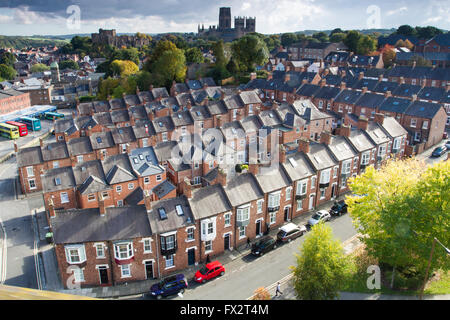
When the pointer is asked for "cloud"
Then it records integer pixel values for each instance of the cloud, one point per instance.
(6, 19)
(397, 11)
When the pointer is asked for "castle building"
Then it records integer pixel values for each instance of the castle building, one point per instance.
(110, 37)
(224, 31)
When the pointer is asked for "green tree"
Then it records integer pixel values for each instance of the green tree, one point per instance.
(194, 55)
(321, 36)
(68, 64)
(351, 40)
(7, 58)
(400, 209)
(337, 37)
(219, 54)
(273, 41)
(337, 30)
(366, 45)
(144, 80)
(321, 266)
(171, 66)
(161, 47)
(249, 51)
(287, 39)
(7, 72)
(39, 67)
(406, 30)
(427, 32)
(131, 54)
(124, 68)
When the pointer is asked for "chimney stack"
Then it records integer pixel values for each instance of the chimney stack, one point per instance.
(303, 145)
(361, 75)
(51, 208)
(414, 97)
(380, 78)
(253, 168)
(325, 137)
(379, 118)
(101, 205)
(270, 76)
(222, 177)
(147, 201)
(282, 157)
(401, 80)
(343, 85)
(187, 188)
(363, 123)
(287, 77)
(364, 90)
(343, 131)
(322, 83)
(388, 94)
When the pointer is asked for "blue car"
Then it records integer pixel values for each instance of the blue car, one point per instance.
(439, 151)
(169, 286)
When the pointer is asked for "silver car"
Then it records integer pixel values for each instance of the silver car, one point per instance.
(321, 215)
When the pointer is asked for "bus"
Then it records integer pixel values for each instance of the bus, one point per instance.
(9, 131)
(23, 130)
(51, 115)
(33, 124)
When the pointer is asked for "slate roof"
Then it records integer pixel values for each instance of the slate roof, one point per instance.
(320, 157)
(143, 129)
(120, 116)
(163, 150)
(138, 113)
(118, 169)
(376, 133)
(406, 90)
(270, 118)
(327, 92)
(360, 141)
(29, 156)
(163, 189)
(341, 149)
(217, 107)
(135, 197)
(395, 104)
(348, 96)
(243, 189)
(200, 113)
(308, 90)
(117, 104)
(233, 102)
(86, 225)
(182, 118)
(91, 169)
(422, 109)
(61, 125)
(163, 124)
(123, 135)
(370, 84)
(101, 106)
(102, 140)
(249, 97)
(370, 100)
(79, 146)
(308, 111)
(384, 86)
(173, 221)
(55, 151)
(160, 93)
(392, 127)
(144, 162)
(58, 179)
(431, 93)
(132, 100)
(104, 118)
(251, 124)
(297, 166)
(209, 201)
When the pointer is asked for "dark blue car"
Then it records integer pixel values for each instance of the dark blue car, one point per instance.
(169, 286)
(439, 151)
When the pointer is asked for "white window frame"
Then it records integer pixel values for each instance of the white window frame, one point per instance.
(272, 217)
(242, 232)
(302, 187)
(34, 182)
(81, 253)
(100, 250)
(30, 175)
(190, 234)
(208, 246)
(147, 245)
(64, 196)
(288, 193)
(129, 250)
(125, 271)
(80, 159)
(130, 186)
(413, 123)
(260, 206)
(243, 213)
(118, 189)
(227, 219)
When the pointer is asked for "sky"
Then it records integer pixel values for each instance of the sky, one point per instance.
(59, 17)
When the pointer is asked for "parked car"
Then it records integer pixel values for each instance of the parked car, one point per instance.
(320, 215)
(169, 286)
(290, 231)
(447, 144)
(439, 151)
(263, 245)
(338, 208)
(209, 271)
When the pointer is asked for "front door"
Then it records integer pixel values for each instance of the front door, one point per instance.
(227, 242)
(149, 269)
(311, 202)
(258, 227)
(103, 275)
(286, 214)
(191, 256)
(333, 191)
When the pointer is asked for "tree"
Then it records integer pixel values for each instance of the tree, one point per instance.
(262, 294)
(366, 45)
(249, 51)
(68, 64)
(428, 32)
(400, 209)
(219, 54)
(124, 68)
(351, 40)
(337, 37)
(39, 67)
(337, 30)
(8, 59)
(406, 30)
(131, 54)
(7, 72)
(321, 266)
(194, 55)
(171, 66)
(144, 80)
(321, 36)
(389, 57)
(273, 41)
(287, 39)
(161, 47)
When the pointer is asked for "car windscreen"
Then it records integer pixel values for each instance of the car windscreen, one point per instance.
(316, 217)
(203, 270)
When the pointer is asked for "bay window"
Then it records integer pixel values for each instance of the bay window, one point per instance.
(123, 251)
(75, 254)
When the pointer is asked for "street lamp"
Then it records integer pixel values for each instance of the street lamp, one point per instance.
(429, 263)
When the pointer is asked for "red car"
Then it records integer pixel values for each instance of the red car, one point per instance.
(209, 271)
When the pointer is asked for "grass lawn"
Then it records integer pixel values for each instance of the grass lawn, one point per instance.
(357, 278)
